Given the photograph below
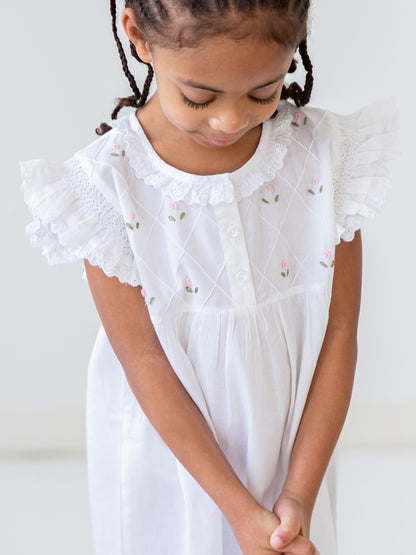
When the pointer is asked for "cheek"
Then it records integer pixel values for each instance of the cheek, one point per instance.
(181, 115)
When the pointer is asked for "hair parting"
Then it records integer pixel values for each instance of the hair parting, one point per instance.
(206, 18)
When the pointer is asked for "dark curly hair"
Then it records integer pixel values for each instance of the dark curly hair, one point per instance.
(282, 21)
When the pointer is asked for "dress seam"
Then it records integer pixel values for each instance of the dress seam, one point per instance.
(295, 291)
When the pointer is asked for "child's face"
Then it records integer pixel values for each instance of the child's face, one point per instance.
(222, 89)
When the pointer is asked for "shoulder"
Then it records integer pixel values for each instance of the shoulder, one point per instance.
(109, 150)
(338, 133)
(111, 163)
(310, 123)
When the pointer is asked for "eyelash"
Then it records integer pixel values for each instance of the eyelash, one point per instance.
(197, 106)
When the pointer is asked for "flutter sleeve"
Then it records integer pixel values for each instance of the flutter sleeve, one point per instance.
(76, 217)
(366, 142)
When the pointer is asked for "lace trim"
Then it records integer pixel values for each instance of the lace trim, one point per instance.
(368, 141)
(211, 189)
(73, 219)
(344, 173)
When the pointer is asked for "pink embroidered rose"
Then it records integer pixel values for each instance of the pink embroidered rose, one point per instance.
(285, 268)
(143, 292)
(133, 216)
(318, 189)
(298, 117)
(329, 261)
(117, 147)
(174, 206)
(188, 283)
(270, 189)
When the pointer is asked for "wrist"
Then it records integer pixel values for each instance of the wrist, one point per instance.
(304, 501)
(240, 509)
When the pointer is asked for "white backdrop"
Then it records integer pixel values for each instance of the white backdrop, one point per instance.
(60, 73)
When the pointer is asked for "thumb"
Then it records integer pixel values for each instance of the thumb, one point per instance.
(288, 529)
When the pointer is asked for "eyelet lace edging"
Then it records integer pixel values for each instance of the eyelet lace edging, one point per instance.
(368, 141)
(72, 220)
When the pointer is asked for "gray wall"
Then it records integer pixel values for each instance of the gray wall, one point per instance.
(60, 73)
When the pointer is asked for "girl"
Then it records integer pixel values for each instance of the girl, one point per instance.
(219, 227)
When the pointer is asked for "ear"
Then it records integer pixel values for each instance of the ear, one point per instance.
(136, 35)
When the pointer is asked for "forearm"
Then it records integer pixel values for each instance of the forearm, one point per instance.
(162, 396)
(183, 428)
(330, 392)
(323, 417)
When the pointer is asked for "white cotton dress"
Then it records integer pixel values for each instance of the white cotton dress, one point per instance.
(236, 271)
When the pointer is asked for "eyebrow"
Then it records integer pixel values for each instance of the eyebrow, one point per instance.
(195, 85)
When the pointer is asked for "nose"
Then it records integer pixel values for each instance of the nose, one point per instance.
(230, 119)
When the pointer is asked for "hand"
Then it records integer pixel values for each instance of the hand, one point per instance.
(291, 535)
(253, 531)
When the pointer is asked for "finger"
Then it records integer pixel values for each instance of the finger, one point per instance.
(289, 527)
(300, 546)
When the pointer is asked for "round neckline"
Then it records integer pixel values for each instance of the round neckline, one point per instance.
(175, 172)
(150, 169)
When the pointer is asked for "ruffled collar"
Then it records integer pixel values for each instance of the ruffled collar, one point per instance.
(209, 189)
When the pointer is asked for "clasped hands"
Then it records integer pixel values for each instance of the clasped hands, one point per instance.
(283, 531)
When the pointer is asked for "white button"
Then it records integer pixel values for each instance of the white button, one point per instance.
(233, 231)
(242, 276)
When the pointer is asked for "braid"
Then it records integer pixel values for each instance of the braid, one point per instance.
(121, 52)
(138, 98)
(146, 86)
(307, 64)
(294, 91)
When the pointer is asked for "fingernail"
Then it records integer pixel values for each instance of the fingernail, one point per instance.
(276, 542)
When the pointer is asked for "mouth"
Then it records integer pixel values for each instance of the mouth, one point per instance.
(221, 142)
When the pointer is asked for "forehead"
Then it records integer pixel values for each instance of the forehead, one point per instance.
(224, 63)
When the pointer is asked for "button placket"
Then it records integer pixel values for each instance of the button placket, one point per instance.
(233, 231)
(235, 252)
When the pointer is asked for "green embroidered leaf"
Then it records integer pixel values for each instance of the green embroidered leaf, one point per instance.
(265, 201)
(172, 219)
(151, 300)
(189, 290)
(311, 192)
(129, 225)
(323, 264)
(196, 289)
(114, 154)
(321, 188)
(287, 273)
(332, 263)
(283, 274)
(305, 121)
(295, 124)
(182, 216)
(276, 198)
(137, 225)
(123, 153)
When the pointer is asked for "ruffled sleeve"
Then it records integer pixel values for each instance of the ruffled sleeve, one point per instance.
(74, 220)
(367, 141)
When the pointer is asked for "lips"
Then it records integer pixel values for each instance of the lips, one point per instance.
(221, 142)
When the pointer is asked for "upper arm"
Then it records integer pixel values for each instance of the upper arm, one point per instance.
(346, 289)
(124, 315)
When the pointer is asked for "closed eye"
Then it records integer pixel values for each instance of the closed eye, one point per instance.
(195, 105)
(201, 105)
(268, 100)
